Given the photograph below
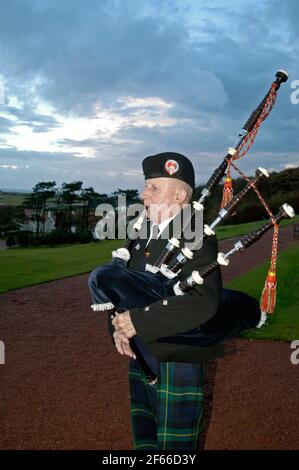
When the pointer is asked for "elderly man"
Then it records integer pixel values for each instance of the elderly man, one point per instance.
(168, 415)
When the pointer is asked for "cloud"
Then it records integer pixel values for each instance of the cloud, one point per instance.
(94, 85)
(57, 47)
(12, 167)
(5, 125)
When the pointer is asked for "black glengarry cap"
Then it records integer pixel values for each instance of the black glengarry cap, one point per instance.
(169, 165)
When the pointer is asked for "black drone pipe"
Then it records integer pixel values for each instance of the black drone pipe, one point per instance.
(187, 253)
(197, 277)
(281, 77)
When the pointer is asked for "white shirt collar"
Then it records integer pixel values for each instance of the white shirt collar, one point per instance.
(161, 227)
(164, 224)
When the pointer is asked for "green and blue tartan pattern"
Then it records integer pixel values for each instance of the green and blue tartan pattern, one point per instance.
(167, 415)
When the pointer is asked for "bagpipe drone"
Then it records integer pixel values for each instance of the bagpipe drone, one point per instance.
(115, 287)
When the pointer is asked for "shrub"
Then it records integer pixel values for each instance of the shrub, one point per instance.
(84, 237)
(23, 239)
(54, 238)
(248, 213)
(11, 240)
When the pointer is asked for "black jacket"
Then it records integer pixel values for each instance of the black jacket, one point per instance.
(182, 313)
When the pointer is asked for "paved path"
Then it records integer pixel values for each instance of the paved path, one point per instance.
(3, 245)
(64, 387)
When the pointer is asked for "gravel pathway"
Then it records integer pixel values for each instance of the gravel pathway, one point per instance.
(63, 386)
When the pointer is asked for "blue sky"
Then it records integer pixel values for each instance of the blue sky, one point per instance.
(90, 88)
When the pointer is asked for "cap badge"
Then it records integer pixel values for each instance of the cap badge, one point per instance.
(171, 166)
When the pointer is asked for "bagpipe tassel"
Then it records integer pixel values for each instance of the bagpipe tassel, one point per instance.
(268, 297)
(227, 192)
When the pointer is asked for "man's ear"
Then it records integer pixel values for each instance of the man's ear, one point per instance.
(181, 195)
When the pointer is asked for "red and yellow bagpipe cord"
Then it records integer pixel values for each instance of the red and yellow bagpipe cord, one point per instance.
(268, 296)
(247, 144)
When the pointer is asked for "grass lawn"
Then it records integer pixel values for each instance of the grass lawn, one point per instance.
(11, 199)
(22, 267)
(230, 231)
(284, 323)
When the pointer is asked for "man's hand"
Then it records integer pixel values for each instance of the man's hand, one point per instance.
(123, 325)
(122, 345)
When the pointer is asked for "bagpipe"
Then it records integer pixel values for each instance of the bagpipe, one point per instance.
(115, 287)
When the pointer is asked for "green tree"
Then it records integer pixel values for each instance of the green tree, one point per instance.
(70, 195)
(10, 218)
(88, 196)
(131, 195)
(37, 201)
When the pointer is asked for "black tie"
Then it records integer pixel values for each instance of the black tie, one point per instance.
(154, 232)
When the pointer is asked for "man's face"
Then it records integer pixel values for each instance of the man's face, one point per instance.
(159, 198)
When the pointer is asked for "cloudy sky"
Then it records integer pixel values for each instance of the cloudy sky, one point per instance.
(88, 88)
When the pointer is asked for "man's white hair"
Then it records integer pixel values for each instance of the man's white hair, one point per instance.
(187, 188)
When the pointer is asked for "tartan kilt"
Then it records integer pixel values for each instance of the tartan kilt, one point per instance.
(167, 415)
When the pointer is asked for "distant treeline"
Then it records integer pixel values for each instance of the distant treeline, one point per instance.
(51, 215)
(72, 207)
(280, 187)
